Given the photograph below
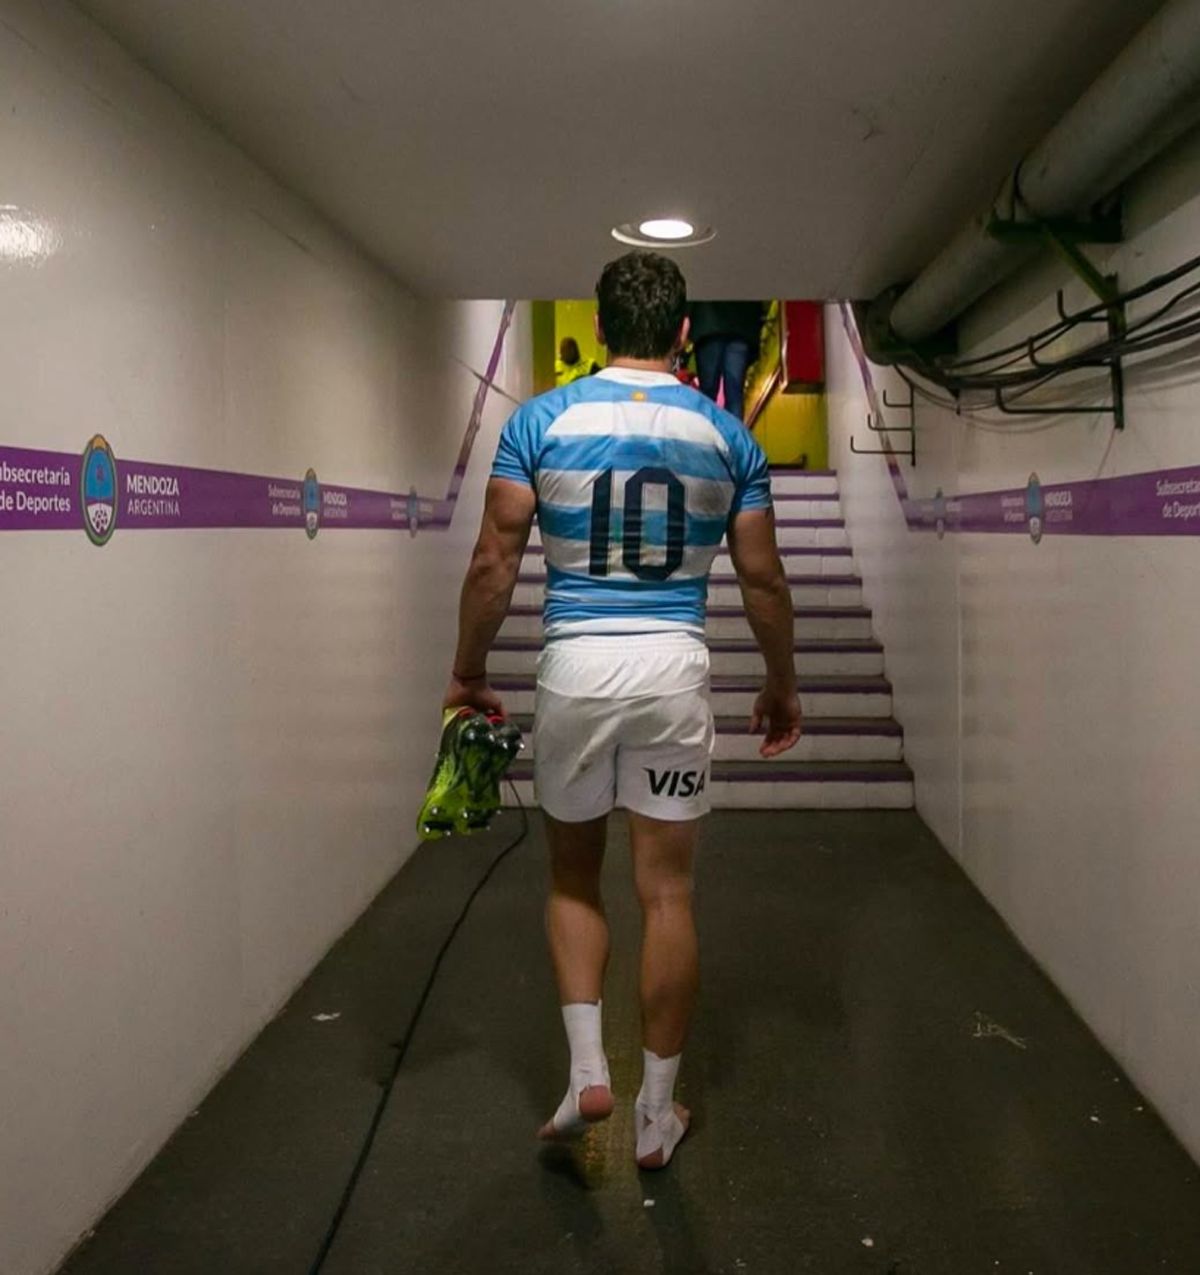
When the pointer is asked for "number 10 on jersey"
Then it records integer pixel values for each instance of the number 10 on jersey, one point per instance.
(633, 523)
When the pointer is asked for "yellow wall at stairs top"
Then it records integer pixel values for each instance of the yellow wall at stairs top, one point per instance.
(793, 426)
(577, 319)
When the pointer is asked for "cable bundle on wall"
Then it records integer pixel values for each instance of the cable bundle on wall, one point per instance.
(1021, 367)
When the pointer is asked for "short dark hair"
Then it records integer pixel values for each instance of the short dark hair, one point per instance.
(642, 300)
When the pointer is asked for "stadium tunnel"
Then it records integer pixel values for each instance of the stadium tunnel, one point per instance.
(272, 277)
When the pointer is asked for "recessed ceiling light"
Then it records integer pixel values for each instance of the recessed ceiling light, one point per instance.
(667, 228)
(662, 232)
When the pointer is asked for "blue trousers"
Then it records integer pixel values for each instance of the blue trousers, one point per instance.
(724, 359)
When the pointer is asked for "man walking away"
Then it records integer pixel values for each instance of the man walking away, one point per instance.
(727, 335)
(634, 479)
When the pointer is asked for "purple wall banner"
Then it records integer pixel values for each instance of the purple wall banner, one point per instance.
(100, 493)
(1162, 502)
(103, 494)
(39, 491)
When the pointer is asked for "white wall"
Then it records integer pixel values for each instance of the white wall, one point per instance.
(1048, 692)
(212, 743)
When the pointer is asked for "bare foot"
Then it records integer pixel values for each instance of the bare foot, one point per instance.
(595, 1103)
(658, 1138)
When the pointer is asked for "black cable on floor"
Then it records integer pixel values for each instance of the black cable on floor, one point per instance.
(402, 1049)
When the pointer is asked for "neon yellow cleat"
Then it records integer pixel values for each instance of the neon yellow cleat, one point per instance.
(464, 792)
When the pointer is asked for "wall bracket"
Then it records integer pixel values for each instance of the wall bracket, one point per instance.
(1007, 408)
(887, 430)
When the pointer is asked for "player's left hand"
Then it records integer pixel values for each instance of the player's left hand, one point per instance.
(475, 694)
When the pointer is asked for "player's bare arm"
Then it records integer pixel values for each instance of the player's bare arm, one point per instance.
(508, 513)
(768, 602)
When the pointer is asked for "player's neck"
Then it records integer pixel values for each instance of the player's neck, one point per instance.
(643, 365)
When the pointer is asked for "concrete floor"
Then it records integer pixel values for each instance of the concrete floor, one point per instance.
(882, 1083)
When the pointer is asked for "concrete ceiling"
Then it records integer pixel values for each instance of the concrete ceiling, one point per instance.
(484, 148)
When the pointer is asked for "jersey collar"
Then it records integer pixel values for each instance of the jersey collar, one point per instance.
(637, 376)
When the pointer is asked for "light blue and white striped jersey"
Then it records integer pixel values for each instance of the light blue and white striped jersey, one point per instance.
(636, 478)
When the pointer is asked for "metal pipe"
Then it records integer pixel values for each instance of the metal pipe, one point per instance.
(1146, 94)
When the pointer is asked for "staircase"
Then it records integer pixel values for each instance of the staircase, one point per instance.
(851, 754)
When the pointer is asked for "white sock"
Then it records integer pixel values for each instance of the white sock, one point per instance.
(588, 1065)
(657, 1124)
(658, 1083)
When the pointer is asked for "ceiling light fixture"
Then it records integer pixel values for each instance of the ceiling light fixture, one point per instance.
(666, 228)
(662, 232)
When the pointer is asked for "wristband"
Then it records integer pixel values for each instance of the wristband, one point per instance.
(469, 677)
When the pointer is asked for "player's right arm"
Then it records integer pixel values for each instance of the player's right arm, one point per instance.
(768, 602)
(510, 504)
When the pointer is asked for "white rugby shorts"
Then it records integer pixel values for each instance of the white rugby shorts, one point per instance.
(623, 721)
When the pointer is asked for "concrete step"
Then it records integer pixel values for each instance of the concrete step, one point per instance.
(804, 482)
(792, 530)
(830, 656)
(833, 560)
(806, 590)
(824, 739)
(807, 506)
(787, 785)
(734, 696)
(829, 561)
(723, 591)
(811, 623)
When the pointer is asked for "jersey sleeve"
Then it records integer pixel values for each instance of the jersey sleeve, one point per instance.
(516, 455)
(751, 473)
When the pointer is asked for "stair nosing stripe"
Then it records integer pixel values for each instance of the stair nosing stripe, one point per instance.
(836, 524)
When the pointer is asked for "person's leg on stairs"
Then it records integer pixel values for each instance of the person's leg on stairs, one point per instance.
(709, 359)
(735, 364)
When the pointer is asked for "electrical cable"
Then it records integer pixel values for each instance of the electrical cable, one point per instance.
(1098, 310)
(1173, 335)
(1145, 334)
(405, 1041)
(972, 416)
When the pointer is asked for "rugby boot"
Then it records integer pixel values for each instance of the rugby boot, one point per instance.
(485, 769)
(466, 736)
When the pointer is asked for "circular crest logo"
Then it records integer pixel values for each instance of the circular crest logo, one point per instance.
(98, 490)
(1035, 508)
(312, 504)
